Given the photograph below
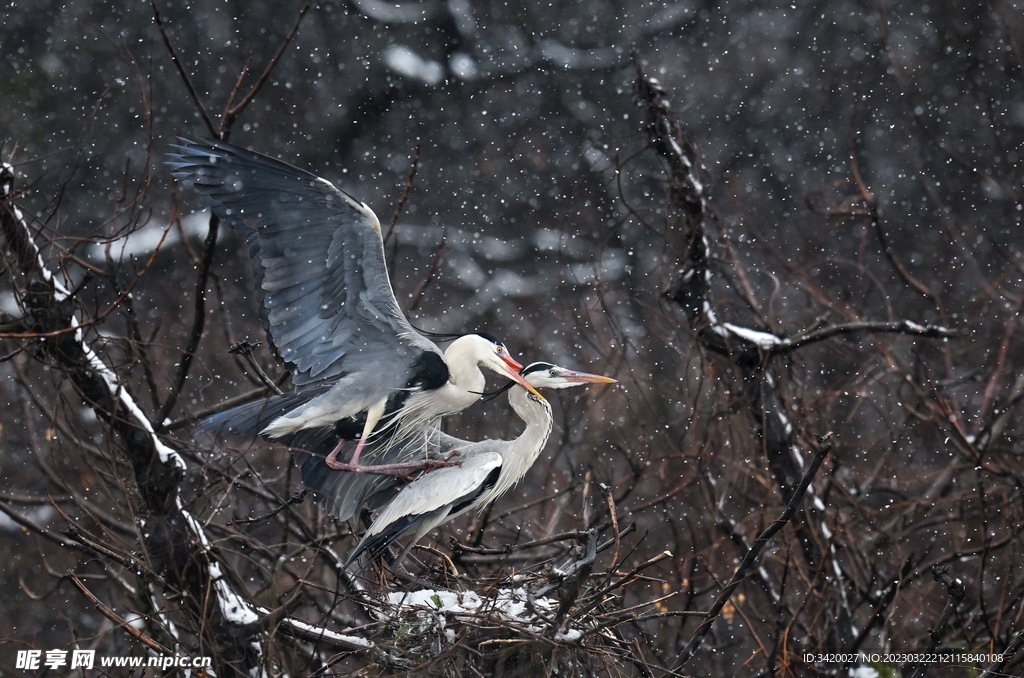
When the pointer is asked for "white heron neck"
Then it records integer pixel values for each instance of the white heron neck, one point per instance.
(464, 386)
(465, 375)
(465, 379)
(524, 450)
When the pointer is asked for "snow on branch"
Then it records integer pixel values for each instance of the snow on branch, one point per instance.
(692, 291)
(318, 634)
(907, 327)
(29, 256)
(770, 343)
(107, 395)
(118, 393)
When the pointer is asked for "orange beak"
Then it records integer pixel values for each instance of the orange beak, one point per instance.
(587, 378)
(513, 373)
(511, 362)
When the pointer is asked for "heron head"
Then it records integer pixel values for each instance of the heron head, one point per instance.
(487, 351)
(546, 375)
(496, 348)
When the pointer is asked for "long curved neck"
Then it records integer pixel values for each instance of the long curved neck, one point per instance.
(518, 457)
(463, 366)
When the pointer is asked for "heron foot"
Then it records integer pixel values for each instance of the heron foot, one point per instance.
(402, 470)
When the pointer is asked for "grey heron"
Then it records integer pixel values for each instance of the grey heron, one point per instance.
(327, 306)
(486, 469)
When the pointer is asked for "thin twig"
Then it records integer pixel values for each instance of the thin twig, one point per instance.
(295, 499)
(218, 408)
(232, 112)
(181, 70)
(122, 559)
(435, 265)
(824, 447)
(30, 526)
(574, 535)
(114, 617)
(1009, 331)
(405, 192)
(198, 322)
(615, 525)
(244, 348)
(956, 591)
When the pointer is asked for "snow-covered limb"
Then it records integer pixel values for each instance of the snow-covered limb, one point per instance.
(895, 327)
(671, 141)
(775, 344)
(675, 144)
(762, 340)
(238, 611)
(235, 609)
(508, 604)
(118, 393)
(92, 376)
(30, 253)
(318, 634)
(32, 258)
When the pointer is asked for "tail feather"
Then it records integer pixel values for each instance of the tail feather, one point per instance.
(250, 419)
(375, 545)
(344, 494)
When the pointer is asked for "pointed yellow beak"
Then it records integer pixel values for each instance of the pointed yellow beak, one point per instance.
(587, 378)
(513, 368)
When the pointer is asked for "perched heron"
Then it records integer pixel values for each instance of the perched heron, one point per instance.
(486, 470)
(327, 307)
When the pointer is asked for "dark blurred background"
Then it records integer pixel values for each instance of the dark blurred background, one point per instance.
(538, 213)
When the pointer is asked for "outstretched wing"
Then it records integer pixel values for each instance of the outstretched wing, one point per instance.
(318, 260)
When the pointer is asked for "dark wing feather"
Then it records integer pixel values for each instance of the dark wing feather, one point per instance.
(376, 545)
(431, 500)
(251, 418)
(318, 261)
(345, 494)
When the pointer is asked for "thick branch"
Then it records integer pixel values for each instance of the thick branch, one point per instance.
(175, 542)
(899, 327)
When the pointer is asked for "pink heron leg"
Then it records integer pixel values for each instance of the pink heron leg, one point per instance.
(373, 415)
(402, 469)
(332, 458)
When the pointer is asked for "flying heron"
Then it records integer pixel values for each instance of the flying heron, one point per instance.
(485, 470)
(328, 309)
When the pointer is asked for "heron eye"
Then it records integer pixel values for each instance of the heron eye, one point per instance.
(500, 350)
(553, 373)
